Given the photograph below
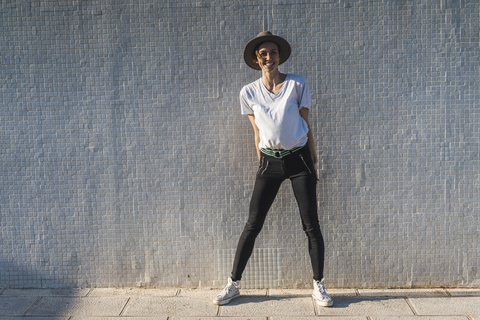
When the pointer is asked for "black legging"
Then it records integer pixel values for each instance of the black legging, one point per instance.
(299, 168)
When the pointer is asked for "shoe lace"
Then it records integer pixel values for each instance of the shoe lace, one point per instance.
(226, 290)
(321, 287)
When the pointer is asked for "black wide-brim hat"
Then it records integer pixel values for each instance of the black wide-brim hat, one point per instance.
(265, 36)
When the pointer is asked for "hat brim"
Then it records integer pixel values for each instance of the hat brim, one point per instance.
(249, 51)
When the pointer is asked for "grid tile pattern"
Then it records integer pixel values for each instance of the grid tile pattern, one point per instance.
(124, 160)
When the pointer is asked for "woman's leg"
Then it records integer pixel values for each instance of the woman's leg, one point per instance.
(264, 193)
(304, 187)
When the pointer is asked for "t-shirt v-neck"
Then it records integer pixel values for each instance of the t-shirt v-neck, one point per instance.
(279, 93)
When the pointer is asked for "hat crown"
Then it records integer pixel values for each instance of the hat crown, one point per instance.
(264, 33)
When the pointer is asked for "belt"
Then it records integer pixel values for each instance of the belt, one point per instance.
(279, 153)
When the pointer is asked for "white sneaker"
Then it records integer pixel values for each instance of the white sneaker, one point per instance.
(320, 295)
(228, 293)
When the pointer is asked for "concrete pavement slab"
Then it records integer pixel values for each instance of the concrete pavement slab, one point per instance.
(36, 318)
(367, 306)
(447, 306)
(308, 292)
(464, 292)
(420, 318)
(107, 292)
(170, 306)
(113, 318)
(15, 306)
(278, 305)
(68, 306)
(45, 292)
(341, 292)
(212, 293)
(402, 293)
(266, 304)
(217, 318)
(321, 318)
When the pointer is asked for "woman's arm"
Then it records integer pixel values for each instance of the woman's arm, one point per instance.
(251, 117)
(311, 143)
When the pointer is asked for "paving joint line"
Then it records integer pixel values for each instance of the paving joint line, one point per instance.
(410, 304)
(315, 310)
(124, 307)
(89, 292)
(447, 292)
(32, 306)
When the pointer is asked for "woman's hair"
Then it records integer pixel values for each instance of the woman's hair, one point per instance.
(257, 53)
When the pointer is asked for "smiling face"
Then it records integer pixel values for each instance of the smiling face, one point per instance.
(268, 56)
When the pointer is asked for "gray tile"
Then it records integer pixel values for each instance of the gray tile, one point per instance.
(125, 162)
(447, 306)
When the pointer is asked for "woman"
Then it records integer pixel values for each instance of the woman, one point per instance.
(277, 106)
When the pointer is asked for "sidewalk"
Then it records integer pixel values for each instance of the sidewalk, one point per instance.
(270, 304)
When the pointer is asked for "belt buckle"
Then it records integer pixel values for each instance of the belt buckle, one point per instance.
(277, 154)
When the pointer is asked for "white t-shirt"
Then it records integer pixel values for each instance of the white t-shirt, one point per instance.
(277, 116)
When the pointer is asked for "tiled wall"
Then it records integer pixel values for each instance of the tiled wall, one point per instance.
(124, 160)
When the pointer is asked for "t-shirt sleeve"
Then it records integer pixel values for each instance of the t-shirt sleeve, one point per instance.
(305, 98)
(244, 105)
